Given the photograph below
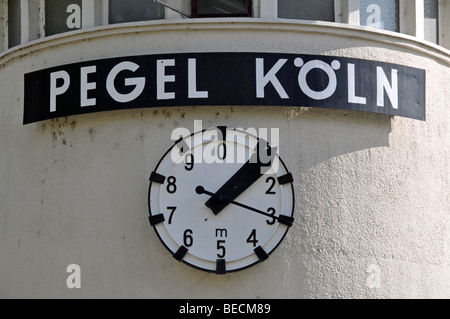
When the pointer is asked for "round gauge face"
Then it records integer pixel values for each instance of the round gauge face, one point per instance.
(221, 200)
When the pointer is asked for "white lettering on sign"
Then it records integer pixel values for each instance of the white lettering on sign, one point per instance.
(86, 86)
(192, 82)
(318, 80)
(139, 83)
(56, 90)
(271, 77)
(383, 85)
(162, 78)
(352, 97)
(317, 64)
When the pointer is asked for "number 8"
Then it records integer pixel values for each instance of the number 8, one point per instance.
(171, 186)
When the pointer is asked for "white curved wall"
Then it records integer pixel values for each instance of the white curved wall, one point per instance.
(372, 192)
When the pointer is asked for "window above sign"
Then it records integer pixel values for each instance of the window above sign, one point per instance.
(380, 14)
(14, 23)
(27, 20)
(62, 16)
(120, 11)
(431, 22)
(210, 8)
(307, 10)
(221, 8)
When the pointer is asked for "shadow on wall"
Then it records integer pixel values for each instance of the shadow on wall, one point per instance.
(317, 135)
(308, 136)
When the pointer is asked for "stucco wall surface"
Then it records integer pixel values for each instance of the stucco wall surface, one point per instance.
(372, 191)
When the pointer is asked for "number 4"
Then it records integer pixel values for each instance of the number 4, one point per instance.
(252, 238)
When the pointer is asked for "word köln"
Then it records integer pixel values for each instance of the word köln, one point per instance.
(265, 75)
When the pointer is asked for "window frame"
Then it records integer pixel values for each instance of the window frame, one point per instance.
(4, 25)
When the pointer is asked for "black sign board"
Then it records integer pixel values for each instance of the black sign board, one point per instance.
(224, 79)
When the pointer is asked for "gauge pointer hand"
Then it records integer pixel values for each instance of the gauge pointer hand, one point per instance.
(246, 176)
(282, 219)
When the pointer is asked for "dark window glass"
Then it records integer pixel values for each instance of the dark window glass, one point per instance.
(62, 16)
(322, 10)
(134, 10)
(14, 21)
(221, 8)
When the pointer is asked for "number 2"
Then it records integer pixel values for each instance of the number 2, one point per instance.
(270, 190)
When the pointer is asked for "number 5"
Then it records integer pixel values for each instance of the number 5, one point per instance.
(220, 246)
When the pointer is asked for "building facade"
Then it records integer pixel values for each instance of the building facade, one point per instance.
(364, 131)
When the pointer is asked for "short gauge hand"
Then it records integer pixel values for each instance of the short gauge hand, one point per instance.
(246, 176)
(282, 219)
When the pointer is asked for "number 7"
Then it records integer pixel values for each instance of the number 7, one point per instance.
(173, 209)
